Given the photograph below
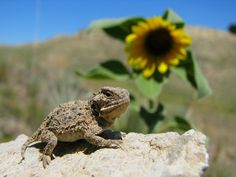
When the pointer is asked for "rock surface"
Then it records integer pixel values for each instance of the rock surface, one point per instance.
(165, 155)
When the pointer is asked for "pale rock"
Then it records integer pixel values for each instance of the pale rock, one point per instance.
(151, 155)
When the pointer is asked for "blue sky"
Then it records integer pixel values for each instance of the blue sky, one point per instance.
(28, 20)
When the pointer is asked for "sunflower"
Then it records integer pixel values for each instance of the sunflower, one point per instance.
(155, 45)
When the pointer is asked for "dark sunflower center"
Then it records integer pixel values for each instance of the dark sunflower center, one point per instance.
(158, 42)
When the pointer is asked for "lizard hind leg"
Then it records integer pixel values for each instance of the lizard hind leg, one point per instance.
(51, 140)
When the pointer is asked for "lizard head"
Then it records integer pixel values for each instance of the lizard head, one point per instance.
(110, 102)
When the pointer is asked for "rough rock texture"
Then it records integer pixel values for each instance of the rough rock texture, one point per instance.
(165, 155)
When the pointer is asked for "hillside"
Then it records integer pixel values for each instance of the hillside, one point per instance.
(36, 77)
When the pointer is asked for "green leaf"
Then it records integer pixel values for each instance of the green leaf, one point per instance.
(171, 16)
(178, 123)
(111, 69)
(182, 123)
(134, 104)
(116, 28)
(152, 117)
(105, 23)
(189, 70)
(149, 87)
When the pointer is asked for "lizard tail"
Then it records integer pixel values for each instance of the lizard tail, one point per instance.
(25, 145)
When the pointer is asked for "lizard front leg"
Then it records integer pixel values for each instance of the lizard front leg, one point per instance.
(51, 140)
(101, 142)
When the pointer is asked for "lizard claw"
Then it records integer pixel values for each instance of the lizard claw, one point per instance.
(45, 159)
(115, 144)
(53, 156)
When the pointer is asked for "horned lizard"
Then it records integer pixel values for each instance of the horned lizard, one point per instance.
(76, 120)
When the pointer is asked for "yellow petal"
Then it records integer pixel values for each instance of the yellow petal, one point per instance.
(149, 70)
(131, 61)
(162, 67)
(138, 30)
(143, 25)
(130, 38)
(174, 61)
(143, 63)
(154, 22)
(178, 33)
(171, 27)
(138, 63)
(166, 24)
(180, 52)
(186, 41)
(183, 52)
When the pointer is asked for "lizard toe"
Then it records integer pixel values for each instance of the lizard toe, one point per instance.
(45, 159)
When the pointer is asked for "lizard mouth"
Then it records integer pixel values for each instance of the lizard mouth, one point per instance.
(114, 109)
(115, 104)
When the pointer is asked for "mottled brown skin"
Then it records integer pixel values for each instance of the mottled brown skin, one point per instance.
(76, 120)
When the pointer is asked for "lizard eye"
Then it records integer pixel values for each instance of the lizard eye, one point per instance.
(108, 94)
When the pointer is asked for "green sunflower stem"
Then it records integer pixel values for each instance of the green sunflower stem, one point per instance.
(151, 104)
(149, 130)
